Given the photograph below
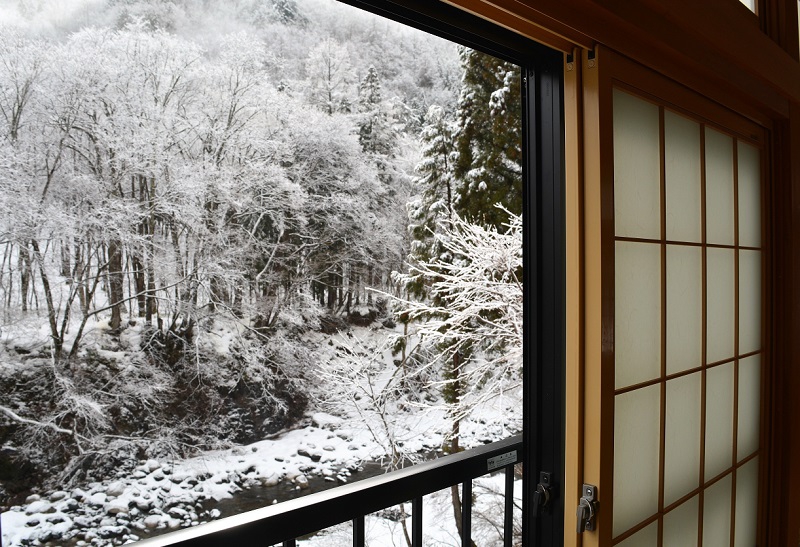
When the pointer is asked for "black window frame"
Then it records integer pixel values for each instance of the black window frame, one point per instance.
(544, 241)
(544, 310)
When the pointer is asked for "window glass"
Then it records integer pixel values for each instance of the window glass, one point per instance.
(249, 250)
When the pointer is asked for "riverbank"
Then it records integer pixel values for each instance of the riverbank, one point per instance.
(162, 495)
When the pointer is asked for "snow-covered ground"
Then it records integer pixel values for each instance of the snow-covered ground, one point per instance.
(163, 495)
(172, 494)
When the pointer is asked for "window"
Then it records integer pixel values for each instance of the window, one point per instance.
(248, 193)
(688, 337)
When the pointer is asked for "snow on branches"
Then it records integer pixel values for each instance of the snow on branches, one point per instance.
(473, 309)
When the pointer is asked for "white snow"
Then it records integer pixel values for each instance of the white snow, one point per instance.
(164, 494)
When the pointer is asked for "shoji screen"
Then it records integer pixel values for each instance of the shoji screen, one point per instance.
(687, 330)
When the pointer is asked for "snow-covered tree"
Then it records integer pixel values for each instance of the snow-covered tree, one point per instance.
(435, 185)
(489, 138)
(282, 11)
(471, 322)
(478, 296)
(176, 205)
(375, 134)
(330, 76)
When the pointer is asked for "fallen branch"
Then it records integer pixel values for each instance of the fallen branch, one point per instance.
(14, 416)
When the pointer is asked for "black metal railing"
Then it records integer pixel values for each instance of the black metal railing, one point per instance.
(283, 522)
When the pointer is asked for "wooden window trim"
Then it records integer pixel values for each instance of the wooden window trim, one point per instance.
(783, 518)
(779, 22)
(715, 46)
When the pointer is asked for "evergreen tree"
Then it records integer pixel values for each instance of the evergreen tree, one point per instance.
(436, 189)
(287, 12)
(489, 139)
(279, 11)
(375, 133)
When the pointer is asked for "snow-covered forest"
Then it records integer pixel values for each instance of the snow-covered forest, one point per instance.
(226, 223)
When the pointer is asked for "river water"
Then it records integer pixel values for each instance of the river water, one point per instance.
(261, 496)
(257, 497)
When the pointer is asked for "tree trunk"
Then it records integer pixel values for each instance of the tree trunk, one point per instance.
(340, 287)
(58, 341)
(137, 256)
(139, 284)
(24, 276)
(150, 300)
(80, 269)
(452, 397)
(115, 283)
(65, 264)
(331, 290)
(7, 257)
(371, 281)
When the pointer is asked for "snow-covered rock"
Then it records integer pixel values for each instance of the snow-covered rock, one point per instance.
(97, 499)
(115, 489)
(39, 506)
(301, 481)
(152, 521)
(115, 507)
(58, 495)
(272, 480)
(324, 420)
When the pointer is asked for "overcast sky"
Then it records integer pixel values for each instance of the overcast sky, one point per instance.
(45, 15)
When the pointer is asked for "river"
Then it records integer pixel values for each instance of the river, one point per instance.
(261, 496)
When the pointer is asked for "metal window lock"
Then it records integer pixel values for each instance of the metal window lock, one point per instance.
(587, 508)
(542, 495)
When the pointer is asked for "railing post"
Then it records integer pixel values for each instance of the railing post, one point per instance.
(358, 531)
(466, 513)
(508, 521)
(416, 522)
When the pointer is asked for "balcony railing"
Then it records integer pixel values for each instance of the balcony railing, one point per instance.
(282, 523)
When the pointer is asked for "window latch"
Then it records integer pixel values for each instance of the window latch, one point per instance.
(542, 495)
(587, 508)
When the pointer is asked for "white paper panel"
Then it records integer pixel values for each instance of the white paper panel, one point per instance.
(636, 448)
(684, 308)
(746, 504)
(751, 4)
(719, 420)
(749, 301)
(680, 525)
(719, 188)
(720, 297)
(647, 537)
(637, 187)
(683, 178)
(717, 514)
(682, 446)
(749, 406)
(749, 178)
(637, 326)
